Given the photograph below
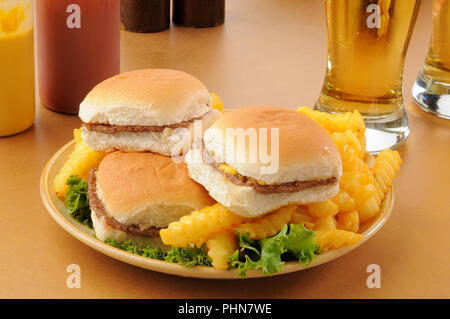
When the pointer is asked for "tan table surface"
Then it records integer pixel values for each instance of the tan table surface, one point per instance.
(268, 52)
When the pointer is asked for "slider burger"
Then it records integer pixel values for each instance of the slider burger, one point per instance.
(306, 166)
(133, 195)
(139, 111)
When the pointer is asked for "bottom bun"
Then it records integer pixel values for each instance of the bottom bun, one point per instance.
(245, 201)
(103, 232)
(157, 142)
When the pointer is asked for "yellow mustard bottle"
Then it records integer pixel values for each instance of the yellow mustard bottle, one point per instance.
(17, 97)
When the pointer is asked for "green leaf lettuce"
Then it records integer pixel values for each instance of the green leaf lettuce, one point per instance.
(185, 256)
(270, 254)
(77, 200)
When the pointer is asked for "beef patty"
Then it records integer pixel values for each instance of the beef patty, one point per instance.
(112, 129)
(289, 187)
(99, 208)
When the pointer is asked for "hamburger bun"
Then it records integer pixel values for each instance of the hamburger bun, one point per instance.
(132, 104)
(133, 195)
(306, 153)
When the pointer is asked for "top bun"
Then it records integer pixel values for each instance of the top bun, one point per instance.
(147, 189)
(152, 97)
(306, 150)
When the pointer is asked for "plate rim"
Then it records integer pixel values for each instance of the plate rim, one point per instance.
(179, 270)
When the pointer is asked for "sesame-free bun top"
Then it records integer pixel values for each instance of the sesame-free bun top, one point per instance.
(151, 97)
(306, 150)
(132, 183)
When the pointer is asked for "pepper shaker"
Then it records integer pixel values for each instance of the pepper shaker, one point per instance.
(199, 13)
(145, 16)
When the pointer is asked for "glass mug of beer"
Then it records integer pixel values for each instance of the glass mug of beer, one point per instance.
(432, 88)
(367, 44)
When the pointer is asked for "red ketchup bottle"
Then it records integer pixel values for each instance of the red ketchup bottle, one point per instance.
(78, 44)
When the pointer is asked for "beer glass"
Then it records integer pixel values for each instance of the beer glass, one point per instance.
(432, 88)
(367, 44)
